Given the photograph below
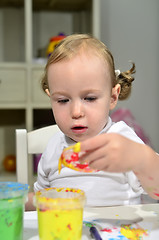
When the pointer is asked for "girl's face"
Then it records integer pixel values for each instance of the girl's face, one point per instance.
(81, 95)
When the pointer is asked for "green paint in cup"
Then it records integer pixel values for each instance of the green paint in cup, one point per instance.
(12, 200)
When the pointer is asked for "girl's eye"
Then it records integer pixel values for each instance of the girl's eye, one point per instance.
(63, 101)
(90, 99)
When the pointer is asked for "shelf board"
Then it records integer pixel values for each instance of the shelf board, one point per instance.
(51, 5)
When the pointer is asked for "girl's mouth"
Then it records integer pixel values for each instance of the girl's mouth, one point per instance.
(79, 129)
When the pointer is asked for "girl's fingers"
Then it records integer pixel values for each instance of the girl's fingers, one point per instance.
(91, 156)
(93, 143)
(98, 165)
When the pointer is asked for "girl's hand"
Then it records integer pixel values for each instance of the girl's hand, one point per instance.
(111, 152)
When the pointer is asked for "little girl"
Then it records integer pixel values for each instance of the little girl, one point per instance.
(83, 87)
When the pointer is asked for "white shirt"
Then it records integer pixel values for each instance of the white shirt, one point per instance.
(101, 188)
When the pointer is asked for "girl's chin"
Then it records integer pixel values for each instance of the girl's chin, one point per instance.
(79, 138)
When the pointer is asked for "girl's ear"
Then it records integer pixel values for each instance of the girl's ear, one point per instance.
(114, 96)
(47, 92)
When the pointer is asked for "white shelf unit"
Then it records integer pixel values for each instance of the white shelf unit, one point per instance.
(22, 102)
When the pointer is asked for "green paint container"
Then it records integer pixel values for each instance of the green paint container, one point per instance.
(12, 199)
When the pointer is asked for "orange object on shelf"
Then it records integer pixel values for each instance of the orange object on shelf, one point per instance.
(9, 163)
(53, 42)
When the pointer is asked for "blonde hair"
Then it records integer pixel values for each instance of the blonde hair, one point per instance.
(71, 45)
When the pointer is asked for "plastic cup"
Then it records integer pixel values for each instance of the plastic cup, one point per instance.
(12, 199)
(60, 213)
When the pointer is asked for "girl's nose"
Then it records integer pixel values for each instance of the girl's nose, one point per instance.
(77, 110)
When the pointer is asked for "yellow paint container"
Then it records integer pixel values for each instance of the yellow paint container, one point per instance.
(60, 213)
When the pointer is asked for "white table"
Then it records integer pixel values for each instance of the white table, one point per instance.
(144, 217)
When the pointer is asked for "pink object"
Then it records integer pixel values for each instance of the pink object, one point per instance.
(125, 115)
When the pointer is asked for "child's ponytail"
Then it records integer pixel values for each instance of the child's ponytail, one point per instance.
(125, 80)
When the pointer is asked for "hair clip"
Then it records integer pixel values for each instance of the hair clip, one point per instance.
(117, 72)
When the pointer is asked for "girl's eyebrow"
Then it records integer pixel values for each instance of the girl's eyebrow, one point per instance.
(87, 91)
(90, 91)
(59, 93)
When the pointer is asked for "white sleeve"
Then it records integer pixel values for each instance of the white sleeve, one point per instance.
(123, 129)
(134, 183)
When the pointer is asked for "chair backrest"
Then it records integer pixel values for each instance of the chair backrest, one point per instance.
(33, 142)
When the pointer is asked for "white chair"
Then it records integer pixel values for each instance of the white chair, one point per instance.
(28, 143)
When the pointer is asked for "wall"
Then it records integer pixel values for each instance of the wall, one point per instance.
(130, 30)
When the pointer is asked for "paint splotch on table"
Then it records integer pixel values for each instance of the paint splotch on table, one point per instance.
(115, 232)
